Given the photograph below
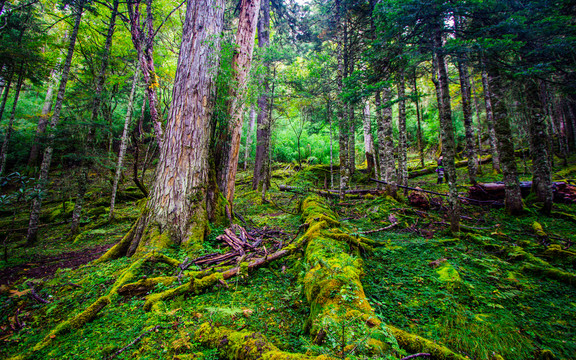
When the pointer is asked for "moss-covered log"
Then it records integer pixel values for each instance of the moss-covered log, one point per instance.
(244, 345)
(340, 312)
(415, 344)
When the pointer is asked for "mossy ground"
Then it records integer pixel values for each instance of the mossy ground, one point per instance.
(493, 305)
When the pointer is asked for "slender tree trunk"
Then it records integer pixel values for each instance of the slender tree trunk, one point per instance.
(368, 140)
(123, 144)
(468, 127)
(176, 212)
(329, 115)
(241, 64)
(539, 144)
(82, 180)
(386, 141)
(419, 121)
(6, 92)
(43, 120)
(505, 143)
(47, 159)
(490, 122)
(351, 140)
(263, 128)
(8, 135)
(402, 137)
(448, 145)
(251, 123)
(340, 109)
(478, 123)
(143, 40)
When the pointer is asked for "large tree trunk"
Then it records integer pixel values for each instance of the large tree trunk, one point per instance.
(176, 211)
(368, 140)
(478, 122)
(351, 140)
(43, 120)
(47, 159)
(263, 128)
(123, 144)
(329, 115)
(505, 143)
(386, 141)
(241, 64)
(539, 143)
(490, 122)
(468, 126)
(402, 137)
(340, 109)
(448, 145)
(143, 40)
(8, 135)
(249, 132)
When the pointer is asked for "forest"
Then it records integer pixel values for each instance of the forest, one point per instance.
(288, 179)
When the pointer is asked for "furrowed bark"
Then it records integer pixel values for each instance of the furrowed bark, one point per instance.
(386, 141)
(340, 112)
(490, 122)
(40, 186)
(176, 211)
(241, 64)
(368, 141)
(402, 138)
(263, 121)
(505, 145)
(123, 143)
(448, 145)
(418, 119)
(468, 127)
(251, 123)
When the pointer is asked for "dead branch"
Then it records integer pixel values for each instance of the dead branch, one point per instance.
(378, 230)
(133, 342)
(415, 356)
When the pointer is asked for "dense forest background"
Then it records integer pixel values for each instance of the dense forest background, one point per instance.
(393, 175)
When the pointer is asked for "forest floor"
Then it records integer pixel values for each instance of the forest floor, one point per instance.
(497, 290)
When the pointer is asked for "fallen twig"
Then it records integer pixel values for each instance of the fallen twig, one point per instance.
(133, 342)
(378, 230)
(415, 356)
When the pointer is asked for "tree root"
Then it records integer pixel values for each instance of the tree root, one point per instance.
(414, 343)
(244, 345)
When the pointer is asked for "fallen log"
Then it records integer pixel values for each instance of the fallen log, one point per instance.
(563, 191)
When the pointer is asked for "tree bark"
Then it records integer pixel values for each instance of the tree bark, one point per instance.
(263, 121)
(402, 137)
(448, 145)
(241, 64)
(368, 140)
(143, 40)
(123, 144)
(43, 120)
(468, 126)
(418, 119)
(251, 123)
(386, 141)
(40, 186)
(176, 212)
(6, 92)
(9, 128)
(351, 140)
(340, 109)
(490, 122)
(505, 143)
(539, 143)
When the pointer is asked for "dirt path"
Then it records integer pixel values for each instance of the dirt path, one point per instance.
(46, 266)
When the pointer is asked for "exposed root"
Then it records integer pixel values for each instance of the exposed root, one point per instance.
(414, 344)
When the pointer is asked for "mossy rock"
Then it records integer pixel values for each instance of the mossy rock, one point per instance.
(97, 211)
(61, 212)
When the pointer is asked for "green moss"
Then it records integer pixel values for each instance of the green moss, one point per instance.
(448, 273)
(415, 344)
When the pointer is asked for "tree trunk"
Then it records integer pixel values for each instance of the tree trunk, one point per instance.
(176, 212)
(468, 127)
(386, 141)
(479, 124)
(448, 145)
(340, 109)
(490, 122)
(402, 137)
(368, 140)
(539, 143)
(143, 40)
(329, 115)
(351, 141)
(43, 120)
(123, 144)
(263, 128)
(505, 143)
(241, 64)
(6, 92)
(40, 186)
(4, 150)
(82, 180)
(418, 119)
(251, 123)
